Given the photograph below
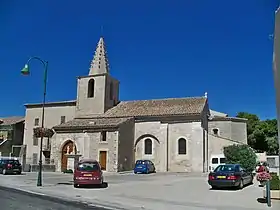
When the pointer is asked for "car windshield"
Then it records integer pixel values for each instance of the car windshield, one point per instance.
(225, 168)
(11, 162)
(139, 162)
(90, 167)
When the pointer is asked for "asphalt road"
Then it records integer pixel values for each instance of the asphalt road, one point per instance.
(15, 200)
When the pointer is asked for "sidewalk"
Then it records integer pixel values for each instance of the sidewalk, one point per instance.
(153, 192)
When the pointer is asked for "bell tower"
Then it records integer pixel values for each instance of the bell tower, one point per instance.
(98, 91)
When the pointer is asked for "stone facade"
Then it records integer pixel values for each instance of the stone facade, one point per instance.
(175, 134)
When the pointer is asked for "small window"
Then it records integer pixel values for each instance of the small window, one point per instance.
(182, 146)
(103, 136)
(222, 160)
(35, 141)
(91, 88)
(215, 160)
(271, 162)
(36, 122)
(35, 158)
(148, 147)
(62, 119)
(216, 131)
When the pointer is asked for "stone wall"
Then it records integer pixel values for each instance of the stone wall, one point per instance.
(88, 144)
(165, 138)
(52, 117)
(126, 157)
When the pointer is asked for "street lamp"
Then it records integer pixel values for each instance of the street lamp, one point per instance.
(26, 71)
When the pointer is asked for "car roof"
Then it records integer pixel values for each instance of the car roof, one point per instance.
(88, 161)
(8, 158)
(230, 164)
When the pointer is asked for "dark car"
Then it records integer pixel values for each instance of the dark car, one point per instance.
(10, 165)
(88, 172)
(230, 175)
(144, 166)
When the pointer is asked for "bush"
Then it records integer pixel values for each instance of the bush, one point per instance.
(241, 154)
(68, 171)
(275, 182)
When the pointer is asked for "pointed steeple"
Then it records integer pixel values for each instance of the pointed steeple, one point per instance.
(99, 63)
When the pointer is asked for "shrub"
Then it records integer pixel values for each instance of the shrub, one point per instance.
(241, 154)
(68, 171)
(275, 182)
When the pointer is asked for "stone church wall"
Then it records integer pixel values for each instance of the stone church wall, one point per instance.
(126, 158)
(88, 145)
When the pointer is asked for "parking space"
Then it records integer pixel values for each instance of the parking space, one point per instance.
(151, 191)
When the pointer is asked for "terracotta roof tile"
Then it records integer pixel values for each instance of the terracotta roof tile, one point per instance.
(158, 107)
(10, 120)
(92, 123)
(127, 110)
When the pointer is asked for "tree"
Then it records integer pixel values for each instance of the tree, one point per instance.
(253, 121)
(262, 134)
(241, 154)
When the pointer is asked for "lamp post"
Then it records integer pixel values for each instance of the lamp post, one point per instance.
(276, 71)
(26, 71)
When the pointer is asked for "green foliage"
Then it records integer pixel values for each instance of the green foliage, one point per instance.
(262, 134)
(275, 182)
(68, 171)
(241, 154)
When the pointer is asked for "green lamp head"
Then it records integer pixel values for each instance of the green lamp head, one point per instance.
(25, 70)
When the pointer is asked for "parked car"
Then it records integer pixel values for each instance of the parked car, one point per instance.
(10, 165)
(88, 172)
(144, 166)
(230, 175)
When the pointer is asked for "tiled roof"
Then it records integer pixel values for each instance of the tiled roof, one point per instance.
(10, 120)
(127, 110)
(158, 107)
(83, 123)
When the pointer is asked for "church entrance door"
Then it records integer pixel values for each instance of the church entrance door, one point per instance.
(69, 145)
(103, 160)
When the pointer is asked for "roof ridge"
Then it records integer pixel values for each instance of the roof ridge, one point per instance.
(165, 99)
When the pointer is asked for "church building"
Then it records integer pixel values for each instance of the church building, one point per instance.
(176, 134)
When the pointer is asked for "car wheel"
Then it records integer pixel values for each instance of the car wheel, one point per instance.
(252, 180)
(4, 172)
(19, 173)
(76, 186)
(241, 185)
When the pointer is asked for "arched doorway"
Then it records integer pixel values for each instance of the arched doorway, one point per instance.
(64, 152)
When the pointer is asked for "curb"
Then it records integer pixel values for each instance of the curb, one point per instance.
(60, 200)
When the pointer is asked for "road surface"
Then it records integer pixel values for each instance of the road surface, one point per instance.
(15, 200)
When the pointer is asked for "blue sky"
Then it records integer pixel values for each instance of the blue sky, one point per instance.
(157, 49)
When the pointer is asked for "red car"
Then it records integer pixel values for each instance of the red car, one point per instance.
(88, 172)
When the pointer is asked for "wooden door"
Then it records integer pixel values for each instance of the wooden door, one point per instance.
(63, 155)
(103, 159)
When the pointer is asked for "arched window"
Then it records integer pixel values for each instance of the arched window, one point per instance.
(91, 88)
(111, 91)
(182, 146)
(148, 146)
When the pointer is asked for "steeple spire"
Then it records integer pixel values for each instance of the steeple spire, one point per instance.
(99, 63)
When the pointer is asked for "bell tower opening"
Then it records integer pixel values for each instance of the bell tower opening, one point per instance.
(91, 88)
